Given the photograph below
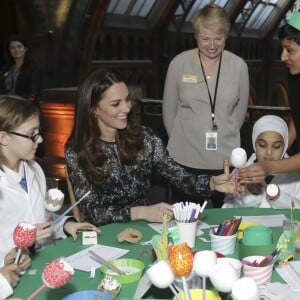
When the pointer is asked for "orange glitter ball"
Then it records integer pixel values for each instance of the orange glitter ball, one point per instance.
(180, 259)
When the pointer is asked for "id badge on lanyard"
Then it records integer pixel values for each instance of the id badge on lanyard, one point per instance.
(211, 140)
(211, 137)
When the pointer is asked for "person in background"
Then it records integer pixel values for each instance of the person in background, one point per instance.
(289, 35)
(9, 274)
(20, 75)
(22, 181)
(205, 100)
(270, 142)
(112, 155)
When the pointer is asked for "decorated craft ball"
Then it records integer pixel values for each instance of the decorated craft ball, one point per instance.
(24, 235)
(57, 273)
(54, 200)
(181, 259)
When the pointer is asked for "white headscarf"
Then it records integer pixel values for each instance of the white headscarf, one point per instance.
(271, 123)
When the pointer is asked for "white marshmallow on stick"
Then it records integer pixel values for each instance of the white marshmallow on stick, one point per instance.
(238, 157)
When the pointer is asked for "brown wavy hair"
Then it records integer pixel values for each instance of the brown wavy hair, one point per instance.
(86, 132)
(9, 60)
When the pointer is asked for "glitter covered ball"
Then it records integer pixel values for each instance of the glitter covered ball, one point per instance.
(24, 235)
(110, 285)
(181, 259)
(54, 200)
(57, 273)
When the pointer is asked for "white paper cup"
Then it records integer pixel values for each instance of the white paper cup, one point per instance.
(261, 275)
(236, 263)
(223, 244)
(187, 232)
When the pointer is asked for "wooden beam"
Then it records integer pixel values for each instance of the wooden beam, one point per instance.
(91, 32)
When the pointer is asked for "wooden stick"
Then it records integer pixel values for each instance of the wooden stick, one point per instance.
(226, 167)
(109, 264)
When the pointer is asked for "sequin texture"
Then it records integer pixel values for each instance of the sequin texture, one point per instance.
(129, 186)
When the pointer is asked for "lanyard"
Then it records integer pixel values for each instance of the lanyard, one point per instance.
(23, 182)
(212, 102)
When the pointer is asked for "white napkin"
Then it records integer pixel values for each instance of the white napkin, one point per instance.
(278, 291)
(290, 273)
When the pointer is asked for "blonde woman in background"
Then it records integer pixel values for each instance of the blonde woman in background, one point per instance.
(205, 99)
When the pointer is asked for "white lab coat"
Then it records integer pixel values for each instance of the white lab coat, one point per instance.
(5, 288)
(288, 183)
(16, 205)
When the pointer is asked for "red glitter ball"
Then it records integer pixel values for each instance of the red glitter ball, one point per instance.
(24, 237)
(55, 275)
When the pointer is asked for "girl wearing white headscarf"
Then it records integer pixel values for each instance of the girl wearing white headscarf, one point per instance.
(270, 142)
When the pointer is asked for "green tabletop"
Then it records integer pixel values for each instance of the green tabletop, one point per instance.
(81, 281)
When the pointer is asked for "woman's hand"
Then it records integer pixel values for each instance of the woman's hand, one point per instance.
(72, 228)
(152, 213)
(44, 230)
(227, 184)
(255, 173)
(25, 261)
(10, 256)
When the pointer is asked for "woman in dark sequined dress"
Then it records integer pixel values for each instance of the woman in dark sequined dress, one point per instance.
(110, 154)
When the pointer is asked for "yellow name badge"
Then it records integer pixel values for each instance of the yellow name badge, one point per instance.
(189, 78)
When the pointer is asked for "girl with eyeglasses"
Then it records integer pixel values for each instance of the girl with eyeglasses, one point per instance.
(22, 180)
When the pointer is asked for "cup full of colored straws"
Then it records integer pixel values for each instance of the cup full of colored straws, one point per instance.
(188, 212)
(223, 238)
(186, 215)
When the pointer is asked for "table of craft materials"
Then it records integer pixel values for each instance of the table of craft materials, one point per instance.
(82, 280)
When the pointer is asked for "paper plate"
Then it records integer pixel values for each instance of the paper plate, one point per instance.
(133, 267)
(88, 295)
(196, 294)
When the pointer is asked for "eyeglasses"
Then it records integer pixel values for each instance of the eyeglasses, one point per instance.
(34, 138)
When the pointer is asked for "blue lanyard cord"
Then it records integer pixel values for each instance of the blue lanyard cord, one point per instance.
(23, 183)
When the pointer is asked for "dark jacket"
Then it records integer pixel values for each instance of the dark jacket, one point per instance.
(28, 83)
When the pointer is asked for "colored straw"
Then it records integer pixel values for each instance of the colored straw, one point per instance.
(70, 208)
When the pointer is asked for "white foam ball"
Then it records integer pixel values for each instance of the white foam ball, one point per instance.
(161, 274)
(204, 261)
(223, 276)
(245, 289)
(238, 157)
